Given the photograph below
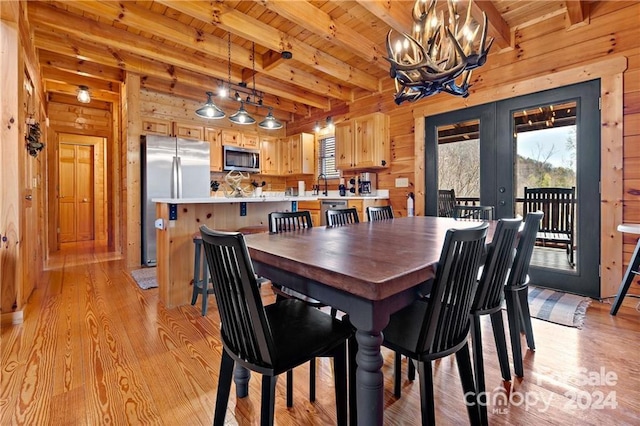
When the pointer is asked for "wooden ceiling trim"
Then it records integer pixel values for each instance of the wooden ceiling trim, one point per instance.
(81, 67)
(265, 35)
(71, 89)
(44, 18)
(63, 76)
(396, 14)
(314, 19)
(63, 98)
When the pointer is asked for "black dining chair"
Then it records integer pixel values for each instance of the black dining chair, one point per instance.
(288, 222)
(488, 301)
(339, 217)
(438, 326)
(379, 213)
(271, 339)
(461, 212)
(516, 291)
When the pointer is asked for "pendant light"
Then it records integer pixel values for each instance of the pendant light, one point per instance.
(270, 122)
(242, 116)
(210, 110)
(83, 95)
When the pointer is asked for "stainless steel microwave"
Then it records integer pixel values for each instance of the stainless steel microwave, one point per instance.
(241, 159)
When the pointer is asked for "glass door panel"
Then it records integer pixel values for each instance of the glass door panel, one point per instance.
(459, 160)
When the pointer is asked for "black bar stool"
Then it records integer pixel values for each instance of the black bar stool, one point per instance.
(633, 270)
(200, 275)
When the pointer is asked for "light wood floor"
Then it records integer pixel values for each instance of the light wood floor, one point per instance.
(95, 350)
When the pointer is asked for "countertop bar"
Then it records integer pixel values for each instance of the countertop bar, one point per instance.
(383, 195)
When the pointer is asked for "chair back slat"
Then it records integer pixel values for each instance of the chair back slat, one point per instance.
(379, 213)
(496, 266)
(446, 202)
(339, 217)
(289, 221)
(245, 330)
(461, 212)
(447, 319)
(520, 267)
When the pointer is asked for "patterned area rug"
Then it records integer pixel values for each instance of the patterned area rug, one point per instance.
(558, 307)
(145, 277)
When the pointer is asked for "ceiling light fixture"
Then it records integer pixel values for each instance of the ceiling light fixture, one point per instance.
(240, 94)
(439, 55)
(210, 110)
(83, 95)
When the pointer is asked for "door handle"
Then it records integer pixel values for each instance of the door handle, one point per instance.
(28, 197)
(84, 200)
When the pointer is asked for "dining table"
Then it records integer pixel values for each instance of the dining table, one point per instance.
(368, 270)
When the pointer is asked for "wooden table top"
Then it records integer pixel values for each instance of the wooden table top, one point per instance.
(373, 260)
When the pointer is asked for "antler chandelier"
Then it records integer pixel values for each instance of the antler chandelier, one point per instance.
(439, 55)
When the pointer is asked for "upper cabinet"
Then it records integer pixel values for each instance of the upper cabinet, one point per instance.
(270, 155)
(297, 154)
(156, 126)
(188, 131)
(363, 143)
(240, 139)
(214, 137)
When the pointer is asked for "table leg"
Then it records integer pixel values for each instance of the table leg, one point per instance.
(241, 378)
(629, 275)
(369, 379)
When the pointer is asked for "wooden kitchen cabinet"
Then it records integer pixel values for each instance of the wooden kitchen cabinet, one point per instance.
(361, 206)
(231, 138)
(363, 143)
(270, 156)
(314, 210)
(250, 140)
(156, 126)
(214, 137)
(188, 131)
(297, 154)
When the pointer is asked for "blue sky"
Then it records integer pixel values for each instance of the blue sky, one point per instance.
(537, 144)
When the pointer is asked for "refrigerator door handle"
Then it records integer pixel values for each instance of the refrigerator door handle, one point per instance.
(176, 178)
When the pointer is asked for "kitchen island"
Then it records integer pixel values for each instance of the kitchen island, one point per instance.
(177, 220)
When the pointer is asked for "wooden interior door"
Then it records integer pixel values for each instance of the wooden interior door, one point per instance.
(76, 193)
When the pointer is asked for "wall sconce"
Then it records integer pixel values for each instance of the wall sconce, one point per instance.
(83, 95)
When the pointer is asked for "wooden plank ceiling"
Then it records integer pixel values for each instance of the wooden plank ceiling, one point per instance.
(187, 48)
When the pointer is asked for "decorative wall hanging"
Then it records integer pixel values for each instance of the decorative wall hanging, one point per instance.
(34, 146)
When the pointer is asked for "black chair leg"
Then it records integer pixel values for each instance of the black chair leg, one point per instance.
(427, 406)
(468, 386)
(478, 364)
(411, 370)
(267, 407)
(397, 375)
(289, 388)
(224, 388)
(513, 316)
(340, 383)
(501, 344)
(525, 316)
(312, 380)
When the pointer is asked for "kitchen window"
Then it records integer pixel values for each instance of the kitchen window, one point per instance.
(327, 157)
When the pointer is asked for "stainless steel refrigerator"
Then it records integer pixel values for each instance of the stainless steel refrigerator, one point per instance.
(171, 168)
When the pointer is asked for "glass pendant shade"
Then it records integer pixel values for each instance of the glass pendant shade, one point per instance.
(270, 122)
(83, 95)
(242, 116)
(210, 110)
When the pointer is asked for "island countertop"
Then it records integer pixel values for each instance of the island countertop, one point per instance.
(276, 198)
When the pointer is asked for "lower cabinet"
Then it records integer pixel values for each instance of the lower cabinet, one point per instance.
(314, 210)
(361, 206)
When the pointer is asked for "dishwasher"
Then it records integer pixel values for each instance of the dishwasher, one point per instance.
(330, 205)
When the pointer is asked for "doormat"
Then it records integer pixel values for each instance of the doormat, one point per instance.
(558, 307)
(145, 278)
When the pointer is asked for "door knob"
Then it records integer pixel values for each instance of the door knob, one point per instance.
(28, 197)
(84, 200)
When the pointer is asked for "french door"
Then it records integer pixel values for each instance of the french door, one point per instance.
(489, 153)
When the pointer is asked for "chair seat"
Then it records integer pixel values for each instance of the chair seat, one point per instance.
(301, 332)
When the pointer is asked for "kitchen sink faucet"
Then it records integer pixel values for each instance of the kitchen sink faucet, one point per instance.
(323, 176)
